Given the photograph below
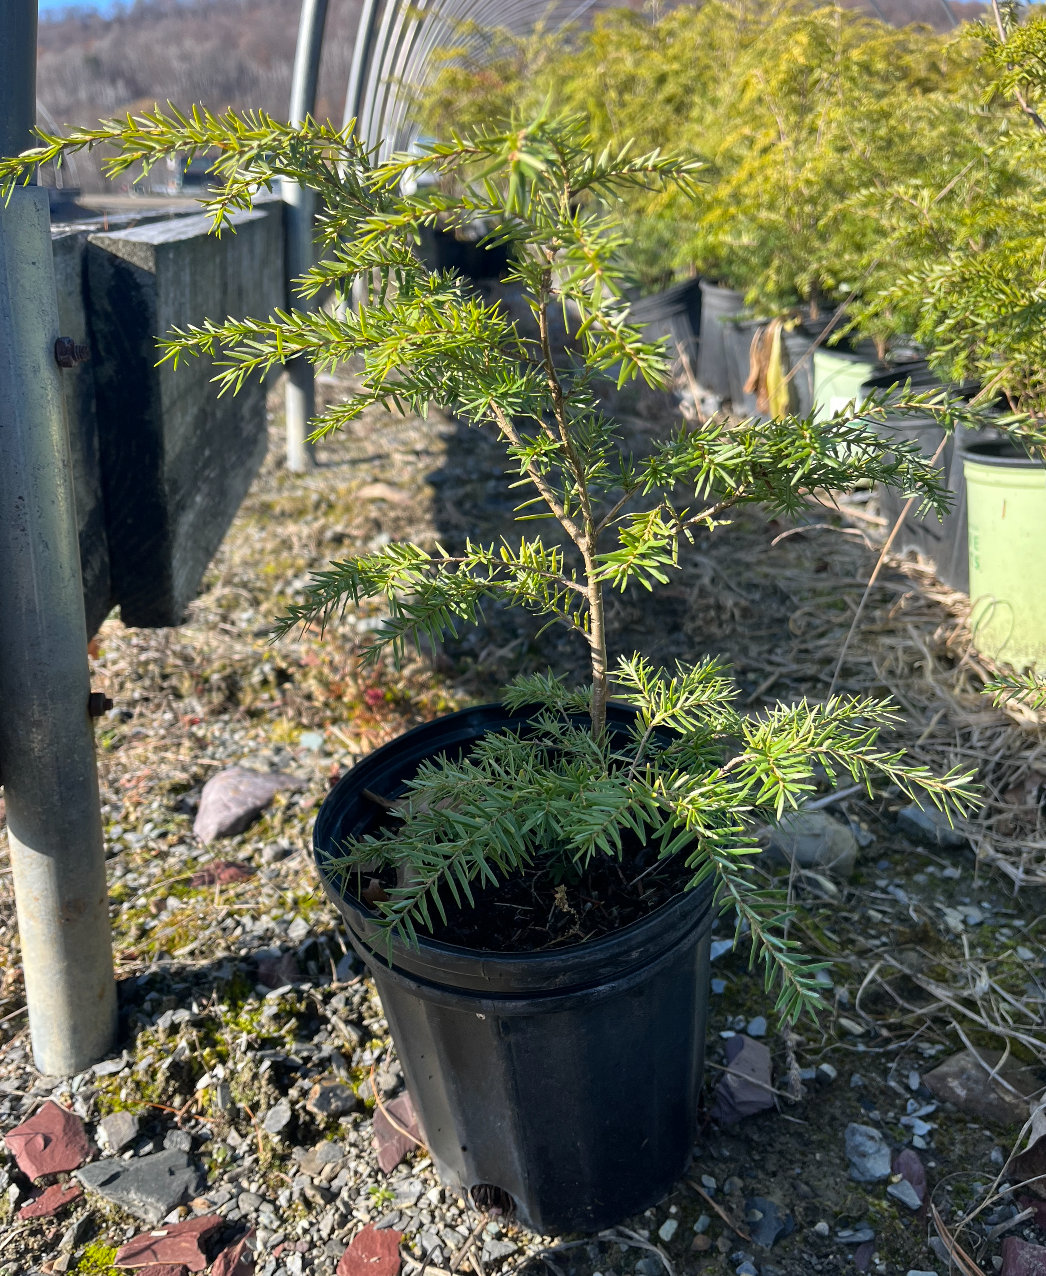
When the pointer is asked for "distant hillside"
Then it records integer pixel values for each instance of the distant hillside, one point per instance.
(240, 53)
(934, 13)
(219, 52)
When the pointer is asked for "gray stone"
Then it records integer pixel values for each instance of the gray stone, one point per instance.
(297, 930)
(76, 1232)
(273, 853)
(178, 1141)
(757, 1027)
(764, 1220)
(325, 1153)
(868, 1154)
(234, 798)
(822, 1228)
(429, 1240)
(814, 841)
(859, 1235)
(278, 1117)
(927, 826)
(407, 1193)
(330, 1097)
(109, 1067)
(668, 1229)
(494, 1251)
(249, 1202)
(148, 1187)
(118, 1129)
(648, 1265)
(177, 460)
(905, 1193)
(962, 1080)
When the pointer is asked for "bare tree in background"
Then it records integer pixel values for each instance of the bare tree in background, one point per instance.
(217, 52)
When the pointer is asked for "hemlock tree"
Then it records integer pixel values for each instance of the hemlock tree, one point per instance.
(794, 108)
(693, 774)
(970, 238)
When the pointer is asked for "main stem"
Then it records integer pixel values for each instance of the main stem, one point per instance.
(597, 641)
(587, 542)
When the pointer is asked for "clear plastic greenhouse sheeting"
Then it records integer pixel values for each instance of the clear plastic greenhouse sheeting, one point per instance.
(396, 40)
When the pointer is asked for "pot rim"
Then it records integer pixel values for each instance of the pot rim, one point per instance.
(481, 968)
(999, 454)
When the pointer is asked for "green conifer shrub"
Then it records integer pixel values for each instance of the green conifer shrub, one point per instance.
(694, 775)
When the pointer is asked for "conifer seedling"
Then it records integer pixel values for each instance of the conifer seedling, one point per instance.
(694, 775)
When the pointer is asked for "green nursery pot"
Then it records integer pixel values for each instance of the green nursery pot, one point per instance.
(1006, 500)
(838, 378)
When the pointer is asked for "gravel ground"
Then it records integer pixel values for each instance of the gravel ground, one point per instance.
(238, 994)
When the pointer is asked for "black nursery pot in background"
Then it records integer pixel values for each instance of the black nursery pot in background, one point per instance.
(570, 1078)
(718, 306)
(674, 313)
(942, 540)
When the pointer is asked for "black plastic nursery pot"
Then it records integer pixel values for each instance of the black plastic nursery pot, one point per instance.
(674, 313)
(718, 306)
(941, 540)
(570, 1078)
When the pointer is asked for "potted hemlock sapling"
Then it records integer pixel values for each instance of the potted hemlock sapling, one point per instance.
(535, 885)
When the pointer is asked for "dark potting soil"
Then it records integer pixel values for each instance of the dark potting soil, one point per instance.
(534, 913)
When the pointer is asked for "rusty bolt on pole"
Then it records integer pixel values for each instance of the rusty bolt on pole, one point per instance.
(68, 352)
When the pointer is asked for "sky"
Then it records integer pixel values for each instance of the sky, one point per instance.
(51, 6)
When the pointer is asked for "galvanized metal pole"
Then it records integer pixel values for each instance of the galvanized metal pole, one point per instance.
(47, 757)
(300, 395)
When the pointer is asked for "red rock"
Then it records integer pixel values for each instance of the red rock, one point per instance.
(908, 1165)
(235, 1259)
(1029, 1167)
(50, 1142)
(235, 797)
(392, 1144)
(745, 1089)
(278, 972)
(223, 872)
(372, 1253)
(863, 1256)
(165, 1269)
(172, 1243)
(1030, 1203)
(51, 1200)
(1019, 1258)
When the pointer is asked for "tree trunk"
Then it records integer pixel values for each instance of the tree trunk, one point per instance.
(598, 648)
